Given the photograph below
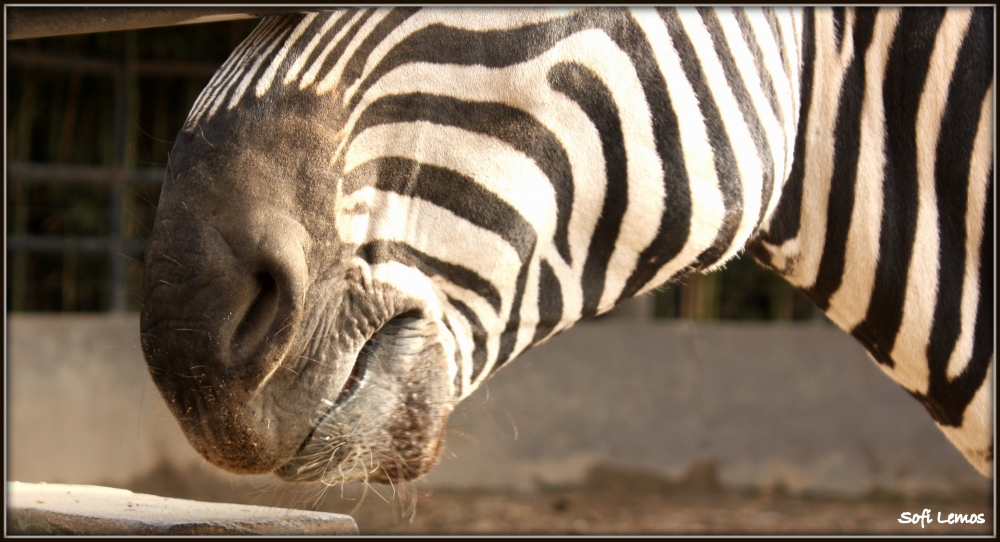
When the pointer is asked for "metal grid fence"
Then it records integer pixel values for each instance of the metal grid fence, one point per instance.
(118, 176)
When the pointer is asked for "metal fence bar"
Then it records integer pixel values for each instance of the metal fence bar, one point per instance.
(57, 244)
(35, 172)
(37, 22)
(63, 62)
(160, 68)
(119, 140)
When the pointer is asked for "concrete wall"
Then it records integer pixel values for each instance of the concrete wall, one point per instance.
(800, 405)
(81, 407)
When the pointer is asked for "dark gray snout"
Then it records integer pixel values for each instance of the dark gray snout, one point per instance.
(224, 292)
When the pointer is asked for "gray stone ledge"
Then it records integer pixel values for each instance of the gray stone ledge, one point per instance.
(58, 509)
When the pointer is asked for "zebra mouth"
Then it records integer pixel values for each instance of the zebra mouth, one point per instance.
(371, 352)
(365, 392)
(381, 412)
(358, 372)
(385, 337)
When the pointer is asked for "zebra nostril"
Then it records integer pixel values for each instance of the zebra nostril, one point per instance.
(258, 318)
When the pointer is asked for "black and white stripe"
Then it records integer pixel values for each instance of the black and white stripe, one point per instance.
(888, 223)
(524, 169)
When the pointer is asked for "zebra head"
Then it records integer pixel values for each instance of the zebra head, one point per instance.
(320, 289)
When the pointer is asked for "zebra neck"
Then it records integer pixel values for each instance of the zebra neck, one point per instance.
(886, 221)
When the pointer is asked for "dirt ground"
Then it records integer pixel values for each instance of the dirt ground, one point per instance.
(593, 512)
(609, 501)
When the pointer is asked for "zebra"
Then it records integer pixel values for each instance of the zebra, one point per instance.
(368, 212)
